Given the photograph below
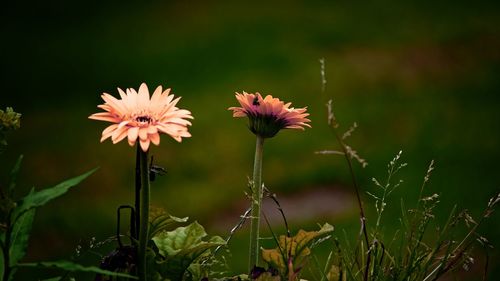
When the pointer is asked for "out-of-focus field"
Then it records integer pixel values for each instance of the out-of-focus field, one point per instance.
(420, 77)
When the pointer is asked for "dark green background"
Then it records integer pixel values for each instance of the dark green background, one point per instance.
(419, 76)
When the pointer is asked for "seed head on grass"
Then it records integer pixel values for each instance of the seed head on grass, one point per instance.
(9, 120)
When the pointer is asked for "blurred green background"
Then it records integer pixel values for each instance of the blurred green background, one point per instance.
(417, 76)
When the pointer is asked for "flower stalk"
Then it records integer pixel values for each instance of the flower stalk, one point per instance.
(256, 203)
(140, 118)
(137, 203)
(144, 214)
(266, 116)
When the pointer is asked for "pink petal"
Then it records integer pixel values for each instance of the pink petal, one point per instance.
(152, 129)
(143, 133)
(122, 94)
(143, 98)
(169, 130)
(119, 134)
(114, 103)
(144, 144)
(132, 98)
(155, 99)
(123, 124)
(239, 114)
(104, 116)
(108, 132)
(155, 138)
(132, 134)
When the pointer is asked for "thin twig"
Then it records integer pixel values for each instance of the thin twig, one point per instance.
(275, 199)
(332, 122)
(275, 238)
(356, 188)
(240, 223)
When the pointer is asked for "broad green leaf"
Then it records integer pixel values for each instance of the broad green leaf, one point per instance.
(296, 247)
(42, 197)
(170, 243)
(13, 175)
(304, 239)
(175, 267)
(74, 267)
(20, 236)
(181, 247)
(160, 220)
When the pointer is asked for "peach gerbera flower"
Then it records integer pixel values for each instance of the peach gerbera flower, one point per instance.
(267, 116)
(137, 117)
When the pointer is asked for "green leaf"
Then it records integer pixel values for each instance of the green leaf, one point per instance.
(160, 220)
(195, 271)
(74, 267)
(181, 247)
(304, 239)
(296, 247)
(20, 236)
(42, 197)
(13, 175)
(170, 243)
(334, 274)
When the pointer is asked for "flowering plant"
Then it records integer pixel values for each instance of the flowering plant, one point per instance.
(267, 116)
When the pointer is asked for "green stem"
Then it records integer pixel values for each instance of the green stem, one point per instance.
(256, 203)
(137, 203)
(358, 197)
(144, 213)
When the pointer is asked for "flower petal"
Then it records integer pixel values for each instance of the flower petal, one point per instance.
(152, 130)
(119, 134)
(143, 133)
(137, 116)
(155, 138)
(268, 115)
(104, 116)
(144, 144)
(143, 99)
(108, 132)
(132, 134)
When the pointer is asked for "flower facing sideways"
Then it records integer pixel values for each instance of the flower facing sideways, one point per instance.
(136, 116)
(267, 116)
